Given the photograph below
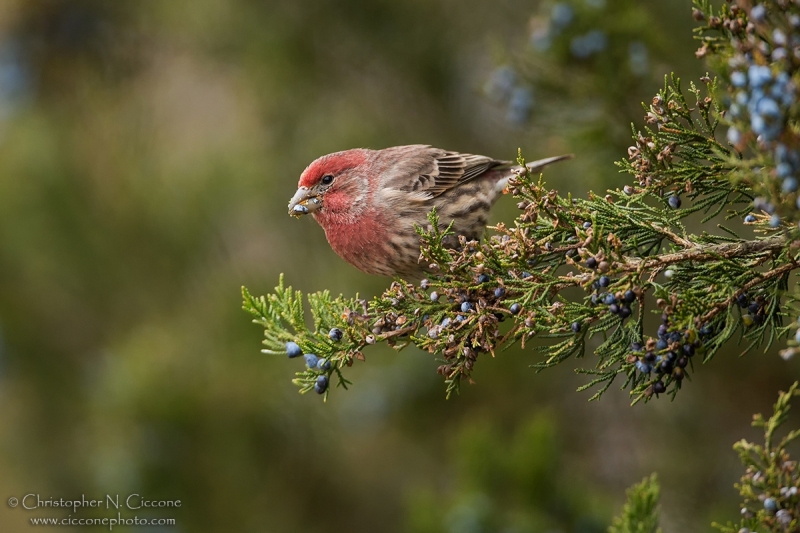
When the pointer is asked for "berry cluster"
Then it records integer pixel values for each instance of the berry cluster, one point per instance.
(668, 354)
(766, 47)
(503, 87)
(568, 31)
(580, 46)
(585, 46)
(787, 168)
(672, 349)
(314, 362)
(762, 96)
(618, 303)
(761, 204)
(469, 323)
(561, 16)
(555, 24)
(756, 309)
(782, 507)
(465, 303)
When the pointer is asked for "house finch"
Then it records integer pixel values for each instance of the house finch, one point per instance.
(368, 201)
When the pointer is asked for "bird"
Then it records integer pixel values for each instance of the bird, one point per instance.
(368, 202)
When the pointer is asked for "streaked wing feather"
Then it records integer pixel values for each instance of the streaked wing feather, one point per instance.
(429, 172)
(450, 169)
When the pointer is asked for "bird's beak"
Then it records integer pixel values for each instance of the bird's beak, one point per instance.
(303, 202)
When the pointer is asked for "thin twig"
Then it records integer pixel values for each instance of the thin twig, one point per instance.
(395, 333)
(677, 239)
(718, 308)
(726, 250)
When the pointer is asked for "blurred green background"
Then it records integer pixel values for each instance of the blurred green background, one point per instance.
(147, 153)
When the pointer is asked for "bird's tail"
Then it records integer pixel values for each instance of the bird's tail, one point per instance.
(534, 167)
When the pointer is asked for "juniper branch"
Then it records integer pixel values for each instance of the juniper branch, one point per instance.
(569, 270)
(696, 252)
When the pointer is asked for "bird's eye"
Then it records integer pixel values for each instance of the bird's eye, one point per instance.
(327, 179)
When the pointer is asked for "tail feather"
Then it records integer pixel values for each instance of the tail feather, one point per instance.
(534, 166)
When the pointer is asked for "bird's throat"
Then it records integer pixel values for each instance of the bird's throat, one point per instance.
(359, 241)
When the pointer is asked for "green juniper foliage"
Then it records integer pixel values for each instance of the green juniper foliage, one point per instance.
(771, 483)
(572, 273)
(640, 512)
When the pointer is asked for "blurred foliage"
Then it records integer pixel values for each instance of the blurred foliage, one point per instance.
(506, 482)
(574, 48)
(640, 512)
(147, 152)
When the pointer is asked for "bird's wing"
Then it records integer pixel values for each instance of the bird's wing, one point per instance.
(427, 172)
